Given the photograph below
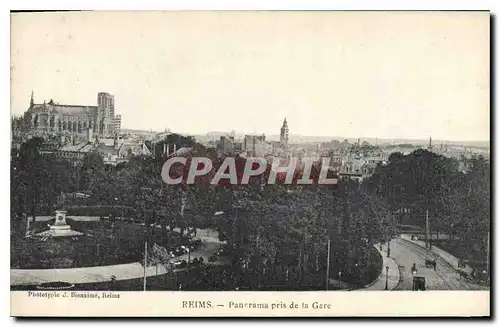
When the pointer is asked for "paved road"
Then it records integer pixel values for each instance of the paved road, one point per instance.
(445, 277)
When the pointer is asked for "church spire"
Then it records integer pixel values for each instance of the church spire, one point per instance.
(32, 101)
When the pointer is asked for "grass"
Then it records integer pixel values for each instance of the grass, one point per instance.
(102, 245)
(206, 278)
(219, 278)
(462, 250)
(358, 272)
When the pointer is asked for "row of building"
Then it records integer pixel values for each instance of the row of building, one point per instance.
(113, 151)
(348, 165)
(76, 130)
(255, 145)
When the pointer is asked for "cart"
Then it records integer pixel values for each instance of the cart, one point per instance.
(418, 283)
(430, 263)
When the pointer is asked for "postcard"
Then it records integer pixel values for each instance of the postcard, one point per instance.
(250, 163)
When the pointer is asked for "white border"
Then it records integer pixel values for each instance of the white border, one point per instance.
(492, 5)
(255, 5)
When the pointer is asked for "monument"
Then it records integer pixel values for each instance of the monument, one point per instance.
(60, 227)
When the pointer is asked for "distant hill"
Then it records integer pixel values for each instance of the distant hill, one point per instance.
(298, 139)
(138, 131)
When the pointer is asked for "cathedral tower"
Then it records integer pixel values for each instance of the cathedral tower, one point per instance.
(284, 135)
(32, 101)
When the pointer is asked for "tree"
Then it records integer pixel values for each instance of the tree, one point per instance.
(30, 172)
(458, 203)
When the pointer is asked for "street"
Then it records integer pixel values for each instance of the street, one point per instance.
(445, 277)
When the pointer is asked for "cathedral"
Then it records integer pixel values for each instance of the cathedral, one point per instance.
(55, 118)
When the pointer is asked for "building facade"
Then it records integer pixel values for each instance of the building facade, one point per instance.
(255, 145)
(55, 118)
(226, 145)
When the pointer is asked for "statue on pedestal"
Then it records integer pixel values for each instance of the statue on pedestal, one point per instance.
(60, 227)
(61, 212)
(61, 201)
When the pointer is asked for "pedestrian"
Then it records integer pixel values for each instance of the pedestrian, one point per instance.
(414, 269)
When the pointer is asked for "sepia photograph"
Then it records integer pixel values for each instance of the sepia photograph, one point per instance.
(266, 153)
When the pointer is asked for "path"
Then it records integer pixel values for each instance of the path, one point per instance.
(210, 244)
(445, 277)
(392, 276)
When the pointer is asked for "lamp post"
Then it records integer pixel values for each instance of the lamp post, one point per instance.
(356, 267)
(171, 256)
(488, 257)
(327, 265)
(189, 255)
(145, 264)
(146, 233)
(389, 248)
(386, 278)
(340, 274)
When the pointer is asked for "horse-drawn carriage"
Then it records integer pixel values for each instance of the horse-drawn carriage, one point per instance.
(419, 281)
(418, 284)
(430, 264)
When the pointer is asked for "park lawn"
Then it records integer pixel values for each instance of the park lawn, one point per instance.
(218, 278)
(366, 272)
(205, 278)
(102, 245)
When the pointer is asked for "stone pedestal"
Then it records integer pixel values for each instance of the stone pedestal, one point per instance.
(60, 227)
(60, 218)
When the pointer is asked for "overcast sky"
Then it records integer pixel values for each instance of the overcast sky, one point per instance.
(386, 75)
